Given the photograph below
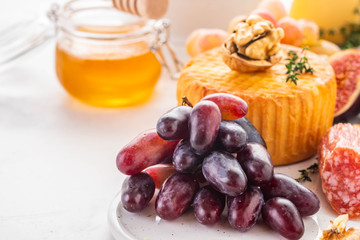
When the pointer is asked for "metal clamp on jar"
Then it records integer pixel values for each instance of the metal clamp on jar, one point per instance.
(109, 58)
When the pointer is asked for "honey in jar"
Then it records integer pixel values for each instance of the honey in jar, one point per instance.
(105, 57)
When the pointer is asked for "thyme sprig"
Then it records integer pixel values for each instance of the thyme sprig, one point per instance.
(306, 172)
(297, 66)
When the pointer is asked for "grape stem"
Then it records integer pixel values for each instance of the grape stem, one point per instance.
(186, 102)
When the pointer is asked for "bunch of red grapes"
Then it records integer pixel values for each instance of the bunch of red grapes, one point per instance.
(214, 156)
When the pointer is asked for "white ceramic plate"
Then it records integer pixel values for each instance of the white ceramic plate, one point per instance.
(147, 226)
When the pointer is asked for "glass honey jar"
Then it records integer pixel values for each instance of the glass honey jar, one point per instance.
(105, 57)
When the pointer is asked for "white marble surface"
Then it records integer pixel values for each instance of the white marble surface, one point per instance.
(57, 156)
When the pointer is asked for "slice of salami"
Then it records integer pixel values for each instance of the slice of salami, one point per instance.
(339, 165)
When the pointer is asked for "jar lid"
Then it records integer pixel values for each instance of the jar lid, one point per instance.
(98, 19)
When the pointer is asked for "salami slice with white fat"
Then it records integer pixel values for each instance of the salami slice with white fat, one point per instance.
(339, 165)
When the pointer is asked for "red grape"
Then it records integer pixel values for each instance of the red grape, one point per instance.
(145, 150)
(204, 126)
(252, 132)
(257, 164)
(199, 176)
(224, 173)
(231, 106)
(160, 172)
(137, 191)
(231, 137)
(208, 205)
(184, 160)
(176, 196)
(244, 210)
(173, 125)
(284, 186)
(282, 216)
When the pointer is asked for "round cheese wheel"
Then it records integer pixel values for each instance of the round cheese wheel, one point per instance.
(291, 118)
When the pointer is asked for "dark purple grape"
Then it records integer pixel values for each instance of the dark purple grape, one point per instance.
(244, 210)
(176, 196)
(137, 191)
(224, 173)
(208, 205)
(231, 137)
(173, 125)
(282, 216)
(185, 160)
(253, 134)
(228, 200)
(204, 125)
(199, 176)
(284, 186)
(257, 163)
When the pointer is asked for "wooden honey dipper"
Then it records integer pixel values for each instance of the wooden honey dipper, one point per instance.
(153, 9)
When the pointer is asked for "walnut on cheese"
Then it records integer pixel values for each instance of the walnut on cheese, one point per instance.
(254, 45)
(337, 230)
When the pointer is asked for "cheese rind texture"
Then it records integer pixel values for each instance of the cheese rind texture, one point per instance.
(291, 118)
